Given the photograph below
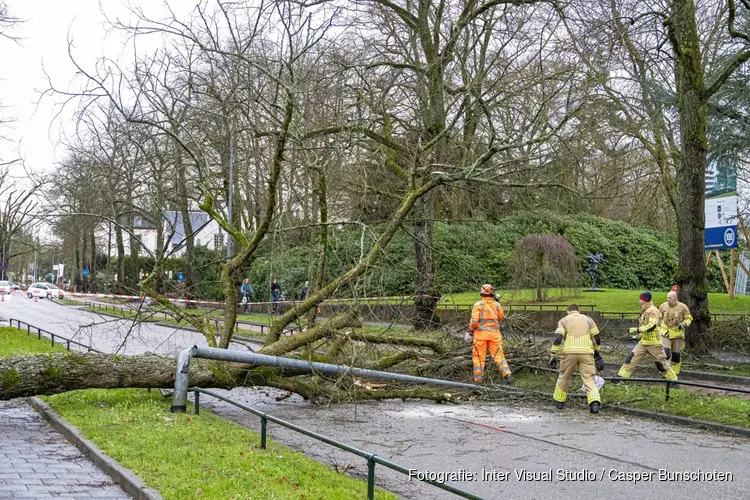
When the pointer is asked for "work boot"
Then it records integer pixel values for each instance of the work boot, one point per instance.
(559, 405)
(510, 380)
(594, 407)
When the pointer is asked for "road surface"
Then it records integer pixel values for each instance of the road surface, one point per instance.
(604, 456)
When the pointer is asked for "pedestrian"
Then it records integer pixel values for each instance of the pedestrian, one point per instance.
(675, 318)
(247, 291)
(650, 342)
(577, 338)
(484, 333)
(275, 295)
(305, 288)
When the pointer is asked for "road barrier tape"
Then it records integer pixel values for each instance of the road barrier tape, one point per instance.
(210, 302)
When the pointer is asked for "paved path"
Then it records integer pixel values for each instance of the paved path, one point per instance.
(37, 462)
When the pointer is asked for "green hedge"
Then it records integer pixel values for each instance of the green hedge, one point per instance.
(476, 252)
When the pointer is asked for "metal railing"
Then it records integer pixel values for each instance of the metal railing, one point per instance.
(52, 336)
(668, 383)
(371, 458)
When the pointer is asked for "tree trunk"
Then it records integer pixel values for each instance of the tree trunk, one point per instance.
(691, 107)
(120, 258)
(426, 273)
(318, 281)
(539, 276)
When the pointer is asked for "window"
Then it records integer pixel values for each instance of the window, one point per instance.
(218, 239)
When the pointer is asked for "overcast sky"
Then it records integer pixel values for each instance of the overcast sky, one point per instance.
(36, 132)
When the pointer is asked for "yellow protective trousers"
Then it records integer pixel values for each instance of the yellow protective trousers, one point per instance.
(484, 341)
(673, 348)
(587, 370)
(655, 352)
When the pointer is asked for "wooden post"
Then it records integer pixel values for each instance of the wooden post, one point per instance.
(708, 257)
(721, 267)
(742, 265)
(732, 272)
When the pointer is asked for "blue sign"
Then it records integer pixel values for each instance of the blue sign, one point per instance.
(180, 277)
(85, 272)
(719, 238)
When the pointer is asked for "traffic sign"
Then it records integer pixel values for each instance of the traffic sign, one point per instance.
(85, 272)
(180, 277)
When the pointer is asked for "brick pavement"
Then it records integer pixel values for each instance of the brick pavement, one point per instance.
(38, 462)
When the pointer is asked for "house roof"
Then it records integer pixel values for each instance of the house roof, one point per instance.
(198, 219)
(140, 222)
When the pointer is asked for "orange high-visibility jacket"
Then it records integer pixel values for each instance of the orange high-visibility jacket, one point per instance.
(486, 316)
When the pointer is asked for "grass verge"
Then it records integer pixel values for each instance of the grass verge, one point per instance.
(185, 455)
(14, 342)
(682, 402)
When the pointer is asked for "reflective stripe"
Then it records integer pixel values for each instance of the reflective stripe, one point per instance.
(559, 394)
(593, 395)
(486, 325)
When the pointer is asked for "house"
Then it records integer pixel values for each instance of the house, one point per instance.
(206, 233)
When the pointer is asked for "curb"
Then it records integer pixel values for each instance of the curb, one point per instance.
(689, 374)
(127, 480)
(653, 415)
(674, 419)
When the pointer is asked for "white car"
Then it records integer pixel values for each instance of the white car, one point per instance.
(6, 287)
(43, 290)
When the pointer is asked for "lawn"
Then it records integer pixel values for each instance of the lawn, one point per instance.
(187, 456)
(14, 342)
(686, 403)
(606, 301)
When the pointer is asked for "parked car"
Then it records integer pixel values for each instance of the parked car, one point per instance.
(43, 290)
(6, 286)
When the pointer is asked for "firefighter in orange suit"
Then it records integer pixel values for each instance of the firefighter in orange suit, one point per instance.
(649, 344)
(484, 331)
(578, 338)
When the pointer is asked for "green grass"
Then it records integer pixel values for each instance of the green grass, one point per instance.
(68, 302)
(682, 402)
(15, 342)
(606, 301)
(184, 455)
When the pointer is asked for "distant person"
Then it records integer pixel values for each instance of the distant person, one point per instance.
(305, 289)
(247, 291)
(275, 294)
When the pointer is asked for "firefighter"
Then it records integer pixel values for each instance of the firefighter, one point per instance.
(675, 318)
(484, 332)
(578, 338)
(650, 342)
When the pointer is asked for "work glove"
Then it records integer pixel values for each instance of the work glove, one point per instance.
(468, 337)
(632, 331)
(598, 362)
(681, 326)
(553, 361)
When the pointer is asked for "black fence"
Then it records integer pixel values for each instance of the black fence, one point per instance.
(371, 458)
(54, 337)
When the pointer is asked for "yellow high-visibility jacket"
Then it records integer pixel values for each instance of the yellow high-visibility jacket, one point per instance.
(576, 334)
(671, 317)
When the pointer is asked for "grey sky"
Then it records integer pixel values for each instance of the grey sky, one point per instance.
(35, 134)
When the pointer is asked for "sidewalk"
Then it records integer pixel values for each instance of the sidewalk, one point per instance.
(38, 462)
